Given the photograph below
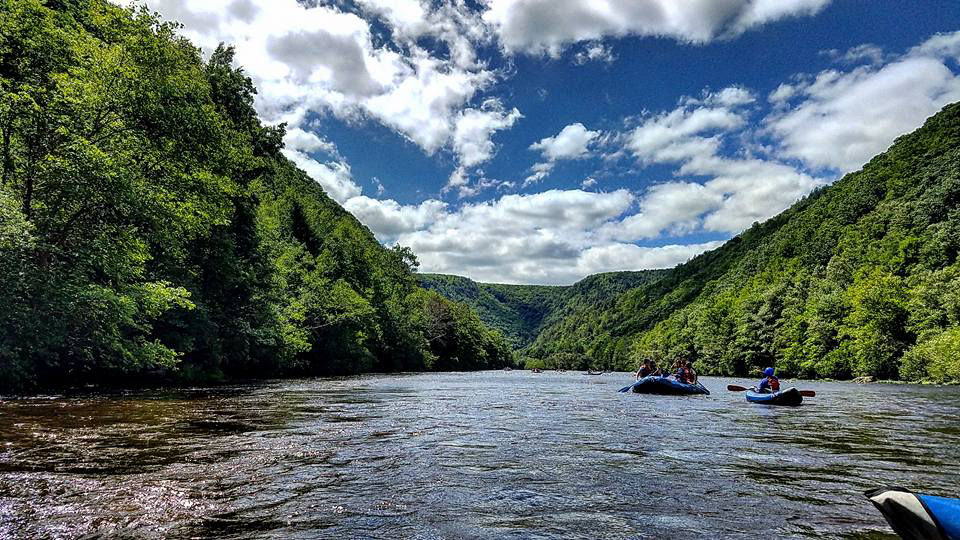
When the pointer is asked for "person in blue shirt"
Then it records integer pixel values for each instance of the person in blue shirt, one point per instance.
(769, 383)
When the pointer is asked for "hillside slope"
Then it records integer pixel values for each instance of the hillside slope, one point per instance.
(859, 278)
(520, 311)
(151, 229)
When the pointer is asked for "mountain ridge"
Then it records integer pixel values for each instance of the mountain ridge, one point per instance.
(856, 278)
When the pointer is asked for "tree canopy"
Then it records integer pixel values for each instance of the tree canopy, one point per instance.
(151, 228)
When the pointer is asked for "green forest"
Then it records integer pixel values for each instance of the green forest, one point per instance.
(521, 312)
(860, 278)
(150, 229)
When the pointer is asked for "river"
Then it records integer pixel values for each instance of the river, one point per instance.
(468, 455)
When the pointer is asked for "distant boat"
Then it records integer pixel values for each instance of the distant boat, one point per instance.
(536, 370)
(508, 368)
(591, 372)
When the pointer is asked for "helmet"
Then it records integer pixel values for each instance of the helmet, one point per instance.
(768, 372)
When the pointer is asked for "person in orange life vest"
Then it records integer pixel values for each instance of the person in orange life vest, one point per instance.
(769, 383)
(685, 373)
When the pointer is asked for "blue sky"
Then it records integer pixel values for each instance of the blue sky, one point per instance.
(539, 141)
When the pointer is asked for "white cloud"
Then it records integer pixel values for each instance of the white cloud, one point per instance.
(757, 12)
(572, 142)
(475, 127)
(388, 219)
(945, 45)
(866, 52)
(839, 120)
(547, 26)
(680, 134)
(305, 141)
(737, 190)
(538, 171)
(334, 176)
(549, 237)
(614, 257)
(594, 52)
(588, 183)
(782, 94)
(674, 207)
(453, 23)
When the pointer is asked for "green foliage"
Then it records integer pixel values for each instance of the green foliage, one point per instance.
(150, 227)
(515, 310)
(858, 278)
(522, 312)
(936, 359)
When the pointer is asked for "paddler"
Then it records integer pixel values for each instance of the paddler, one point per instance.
(646, 369)
(685, 372)
(769, 383)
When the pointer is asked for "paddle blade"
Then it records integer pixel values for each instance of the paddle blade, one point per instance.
(625, 388)
(735, 388)
(808, 393)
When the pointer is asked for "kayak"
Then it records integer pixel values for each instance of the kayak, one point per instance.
(790, 396)
(665, 385)
(915, 516)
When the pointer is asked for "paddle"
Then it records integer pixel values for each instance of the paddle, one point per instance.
(735, 388)
(625, 388)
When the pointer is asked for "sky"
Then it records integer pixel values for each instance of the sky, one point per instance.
(540, 141)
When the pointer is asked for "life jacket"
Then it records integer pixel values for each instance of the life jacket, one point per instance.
(774, 383)
(645, 371)
(685, 375)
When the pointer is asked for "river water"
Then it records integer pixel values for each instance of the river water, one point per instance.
(477, 455)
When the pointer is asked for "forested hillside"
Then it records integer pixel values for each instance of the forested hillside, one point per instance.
(517, 311)
(150, 227)
(520, 312)
(859, 278)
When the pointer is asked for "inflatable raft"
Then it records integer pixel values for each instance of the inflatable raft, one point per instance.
(667, 386)
(914, 516)
(790, 396)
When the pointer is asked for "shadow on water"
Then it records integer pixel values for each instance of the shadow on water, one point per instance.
(482, 455)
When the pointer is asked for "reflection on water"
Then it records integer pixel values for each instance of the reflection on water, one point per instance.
(483, 455)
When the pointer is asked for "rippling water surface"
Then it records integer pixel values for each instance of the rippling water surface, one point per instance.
(480, 455)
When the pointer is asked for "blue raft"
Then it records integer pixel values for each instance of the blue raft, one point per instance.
(665, 385)
(914, 516)
(791, 397)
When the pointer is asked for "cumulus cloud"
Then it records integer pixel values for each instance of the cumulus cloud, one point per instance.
(840, 119)
(736, 191)
(389, 219)
(549, 237)
(573, 142)
(475, 127)
(682, 133)
(307, 141)
(548, 26)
